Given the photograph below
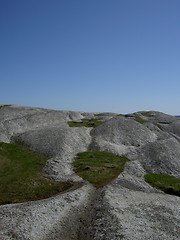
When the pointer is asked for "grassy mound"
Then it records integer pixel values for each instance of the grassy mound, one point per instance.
(99, 168)
(85, 122)
(21, 175)
(166, 183)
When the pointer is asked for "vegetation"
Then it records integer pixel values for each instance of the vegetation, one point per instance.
(5, 105)
(166, 183)
(100, 114)
(99, 168)
(21, 175)
(159, 126)
(137, 118)
(141, 120)
(85, 122)
(105, 114)
(147, 114)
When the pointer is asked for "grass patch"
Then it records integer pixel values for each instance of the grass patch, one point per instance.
(100, 114)
(21, 175)
(129, 115)
(99, 168)
(5, 105)
(166, 183)
(141, 120)
(159, 126)
(85, 122)
(136, 118)
(147, 114)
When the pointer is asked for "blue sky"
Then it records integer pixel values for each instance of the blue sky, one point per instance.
(91, 55)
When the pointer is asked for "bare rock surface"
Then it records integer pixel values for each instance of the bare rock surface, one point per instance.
(128, 208)
(54, 218)
(121, 213)
(121, 136)
(161, 157)
(120, 130)
(16, 119)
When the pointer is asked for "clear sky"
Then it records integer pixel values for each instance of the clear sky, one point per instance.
(91, 55)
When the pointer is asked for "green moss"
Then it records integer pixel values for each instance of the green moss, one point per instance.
(85, 122)
(21, 175)
(147, 113)
(129, 115)
(99, 168)
(5, 105)
(136, 118)
(159, 126)
(141, 120)
(166, 183)
(99, 114)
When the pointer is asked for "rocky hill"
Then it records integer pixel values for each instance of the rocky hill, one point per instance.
(128, 208)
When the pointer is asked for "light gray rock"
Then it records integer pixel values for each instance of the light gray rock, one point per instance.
(138, 215)
(128, 208)
(121, 136)
(120, 213)
(123, 131)
(156, 117)
(161, 157)
(173, 127)
(15, 119)
(59, 217)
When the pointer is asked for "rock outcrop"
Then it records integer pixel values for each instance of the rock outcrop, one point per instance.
(128, 208)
